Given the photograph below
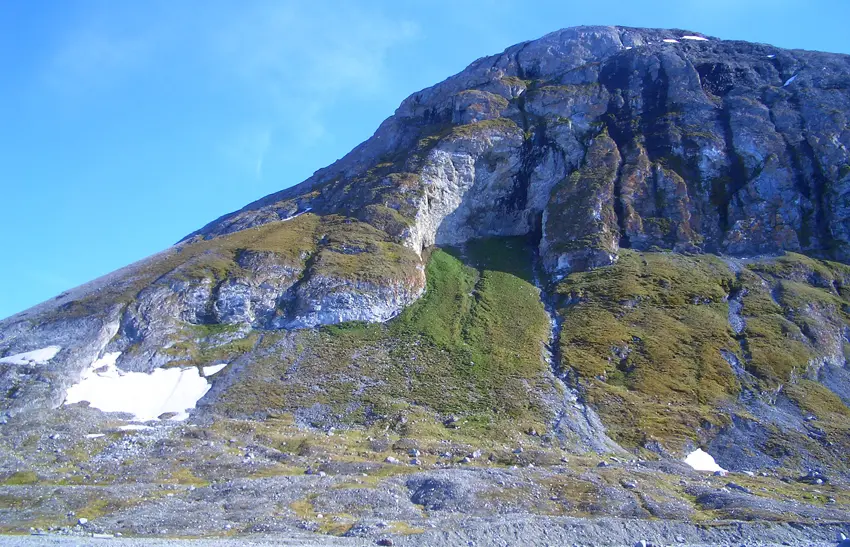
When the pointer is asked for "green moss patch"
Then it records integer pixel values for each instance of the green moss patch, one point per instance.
(471, 346)
(645, 339)
(645, 336)
(20, 478)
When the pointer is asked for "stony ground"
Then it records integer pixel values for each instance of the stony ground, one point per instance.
(228, 481)
(513, 530)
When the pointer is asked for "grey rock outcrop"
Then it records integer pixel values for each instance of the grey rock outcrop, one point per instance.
(690, 144)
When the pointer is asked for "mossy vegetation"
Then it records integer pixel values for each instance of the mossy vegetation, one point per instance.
(645, 336)
(473, 129)
(793, 304)
(20, 478)
(330, 246)
(472, 346)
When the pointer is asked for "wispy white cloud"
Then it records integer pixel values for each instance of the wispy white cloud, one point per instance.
(95, 55)
(298, 62)
(288, 61)
(285, 46)
(246, 147)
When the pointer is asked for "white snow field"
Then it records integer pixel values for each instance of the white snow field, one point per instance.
(145, 396)
(692, 37)
(702, 461)
(213, 369)
(35, 357)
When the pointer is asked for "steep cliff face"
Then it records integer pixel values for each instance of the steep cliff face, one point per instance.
(602, 170)
(653, 138)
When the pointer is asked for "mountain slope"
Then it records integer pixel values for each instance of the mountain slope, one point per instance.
(606, 240)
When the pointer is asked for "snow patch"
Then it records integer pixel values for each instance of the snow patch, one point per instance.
(670, 41)
(692, 37)
(134, 427)
(771, 56)
(35, 357)
(95, 435)
(702, 461)
(213, 369)
(296, 215)
(790, 80)
(145, 396)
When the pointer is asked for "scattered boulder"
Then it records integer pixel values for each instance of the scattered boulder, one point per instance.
(813, 477)
(738, 487)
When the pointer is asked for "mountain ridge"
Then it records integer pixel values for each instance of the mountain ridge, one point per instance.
(607, 241)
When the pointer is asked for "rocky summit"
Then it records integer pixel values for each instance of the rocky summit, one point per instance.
(592, 290)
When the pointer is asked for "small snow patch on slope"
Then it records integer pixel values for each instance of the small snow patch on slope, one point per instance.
(692, 37)
(213, 369)
(790, 80)
(145, 396)
(702, 461)
(670, 41)
(134, 427)
(35, 357)
(296, 215)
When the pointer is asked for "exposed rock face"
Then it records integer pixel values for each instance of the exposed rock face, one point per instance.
(327, 301)
(31, 387)
(305, 272)
(674, 143)
(591, 144)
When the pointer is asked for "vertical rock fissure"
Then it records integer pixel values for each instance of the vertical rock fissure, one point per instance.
(529, 155)
(209, 316)
(724, 189)
(286, 307)
(820, 198)
(619, 205)
(535, 143)
(553, 350)
(575, 419)
(618, 124)
(520, 72)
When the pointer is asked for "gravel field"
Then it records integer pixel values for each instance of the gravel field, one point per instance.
(511, 530)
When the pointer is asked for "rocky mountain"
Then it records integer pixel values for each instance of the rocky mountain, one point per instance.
(613, 241)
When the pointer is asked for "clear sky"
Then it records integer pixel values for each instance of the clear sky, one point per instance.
(125, 125)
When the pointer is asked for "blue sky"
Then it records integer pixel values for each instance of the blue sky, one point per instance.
(126, 125)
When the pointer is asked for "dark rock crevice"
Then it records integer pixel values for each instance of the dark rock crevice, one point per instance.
(534, 146)
(619, 206)
(618, 122)
(725, 188)
(820, 197)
